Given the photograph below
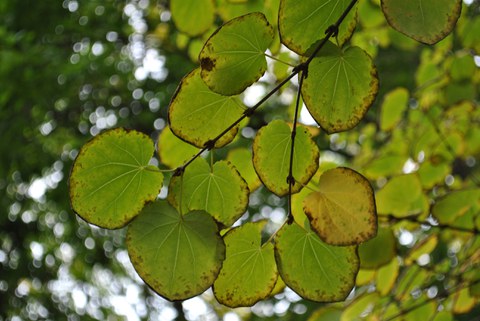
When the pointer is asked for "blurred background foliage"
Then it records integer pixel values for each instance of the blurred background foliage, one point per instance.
(70, 69)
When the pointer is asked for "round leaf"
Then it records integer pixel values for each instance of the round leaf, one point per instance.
(249, 272)
(111, 180)
(198, 115)
(233, 58)
(427, 21)
(177, 256)
(303, 23)
(343, 211)
(220, 190)
(313, 269)
(340, 87)
(271, 157)
(193, 17)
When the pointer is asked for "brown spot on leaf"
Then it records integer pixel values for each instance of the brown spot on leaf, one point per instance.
(207, 64)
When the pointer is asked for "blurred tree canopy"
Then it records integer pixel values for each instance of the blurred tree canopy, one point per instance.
(70, 70)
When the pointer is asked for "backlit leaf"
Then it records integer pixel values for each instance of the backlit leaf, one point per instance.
(241, 158)
(220, 190)
(313, 269)
(343, 211)
(193, 17)
(233, 58)
(359, 306)
(427, 21)
(426, 246)
(203, 118)
(340, 87)
(303, 23)
(455, 205)
(111, 179)
(249, 272)
(386, 276)
(379, 250)
(393, 105)
(271, 157)
(178, 256)
(326, 313)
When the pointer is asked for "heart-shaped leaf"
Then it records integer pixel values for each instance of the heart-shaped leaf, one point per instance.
(343, 210)
(220, 190)
(249, 272)
(233, 58)
(313, 269)
(111, 180)
(303, 23)
(340, 87)
(271, 157)
(178, 256)
(202, 119)
(427, 21)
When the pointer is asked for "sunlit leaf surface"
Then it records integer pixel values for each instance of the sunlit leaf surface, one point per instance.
(341, 85)
(178, 256)
(249, 272)
(271, 157)
(172, 151)
(111, 179)
(193, 17)
(343, 211)
(233, 58)
(313, 269)
(202, 118)
(427, 21)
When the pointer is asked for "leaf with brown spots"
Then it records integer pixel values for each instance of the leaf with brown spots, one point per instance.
(111, 179)
(427, 21)
(178, 256)
(343, 210)
(313, 269)
(233, 57)
(249, 272)
(341, 85)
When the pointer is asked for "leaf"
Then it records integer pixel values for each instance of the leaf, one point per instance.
(241, 158)
(178, 256)
(386, 277)
(303, 24)
(249, 272)
(455, 205)
(340, 87)
(233, 57)
(427, 21)
(198, 115)
(271, 157)
(426, 246)
(193, 17)
(111, 180)
(402, 196)
(314, 270)
(220, 191)
(326, 313)
(393, 106)
(359, 306)
(378, 251)
(343, 211)
(172, 151)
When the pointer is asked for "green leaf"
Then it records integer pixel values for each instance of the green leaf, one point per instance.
(193, 17)
(393, 106)
(202, 118)
(343, 211)
(271, 157)
(172, 151)
(426, 246)
(326, 313)
(455, 205)
(340, 87)
(386, 277)
(111, 180)
(359, 306)
(249, 272)
(313, 269)
(402, 196)
(427, 21)
(241, 158)
(178, 256)
(233, 58)
(220, 190)
(378, 251)
(303, 23)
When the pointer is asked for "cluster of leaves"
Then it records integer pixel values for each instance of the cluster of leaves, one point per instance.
(185, 244)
